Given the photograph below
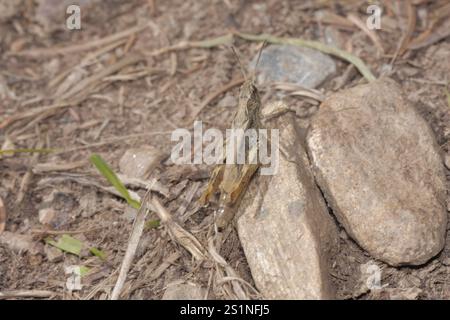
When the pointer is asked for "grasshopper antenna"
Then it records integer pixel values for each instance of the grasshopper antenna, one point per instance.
(257, 60)
(240, 63)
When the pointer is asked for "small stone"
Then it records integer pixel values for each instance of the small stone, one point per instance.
(88, 204)
(184, 291)
(53, 254)
(447, 160)
(379, 167)
(446, 262)
(285, 229)
(139, 162)
(287, 63)
(47, 215)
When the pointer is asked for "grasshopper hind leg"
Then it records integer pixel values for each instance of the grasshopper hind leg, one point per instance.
(213, 185)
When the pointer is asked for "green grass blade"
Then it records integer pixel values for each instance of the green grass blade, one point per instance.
(109, 174)
(98, 253)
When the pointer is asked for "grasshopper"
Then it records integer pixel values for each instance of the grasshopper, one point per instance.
(232, 180)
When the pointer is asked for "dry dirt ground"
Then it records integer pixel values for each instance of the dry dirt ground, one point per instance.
(139, 104)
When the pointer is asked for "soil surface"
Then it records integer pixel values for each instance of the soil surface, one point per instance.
(46, 103)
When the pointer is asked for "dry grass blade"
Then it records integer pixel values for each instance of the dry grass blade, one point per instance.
(181, 236)
(438, 29)
(237, 288)
(411, 26)
(62, 232)
(50, 167)
(89, 57)
(88, 82)
(82, 46)
(34, 112)
(297, 90)
(184, 45)
(370, 33)
(2, 216)
(138, 228)
(359, 64)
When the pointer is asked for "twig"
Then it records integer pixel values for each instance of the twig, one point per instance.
(2, 216)
(100, 75)
(184, 45)
(50, 167)
(359, 64)
(180, 235)
(133, 242)
(26, 294)
(58, 232)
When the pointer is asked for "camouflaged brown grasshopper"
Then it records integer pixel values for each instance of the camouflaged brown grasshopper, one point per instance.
(231, 180)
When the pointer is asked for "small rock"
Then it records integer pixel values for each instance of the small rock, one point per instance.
(9, 9)
(446, 262)
(287, 63)
(88, 204)
(447, 160)
(184, 291)
(139, 162)
(379, 166)
(286, 231)
(47, 215)
(53, 254)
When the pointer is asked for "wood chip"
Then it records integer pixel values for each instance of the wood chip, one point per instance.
(2, 216)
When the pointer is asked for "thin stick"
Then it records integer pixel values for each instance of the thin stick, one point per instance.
(26, 294)
(83, 46)
(58, 232)
(133, 242)
(100, 75)
(2, 216)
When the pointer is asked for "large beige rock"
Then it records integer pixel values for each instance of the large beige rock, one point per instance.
(378, 164)
(285, 229)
